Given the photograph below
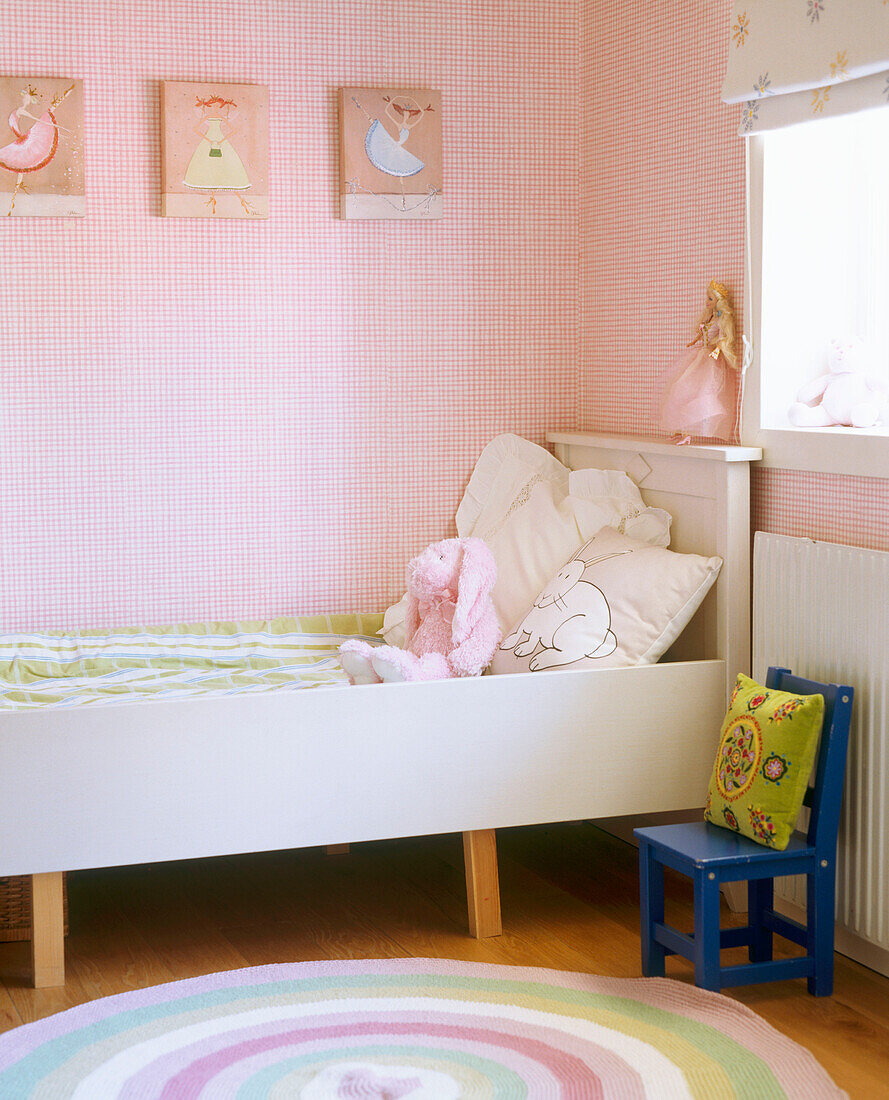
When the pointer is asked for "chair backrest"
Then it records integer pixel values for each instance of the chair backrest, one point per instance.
(824, 798)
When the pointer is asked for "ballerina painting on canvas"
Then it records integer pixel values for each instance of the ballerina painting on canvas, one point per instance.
(224, 173)
(215, 165)
(390, 153)
(44, 157)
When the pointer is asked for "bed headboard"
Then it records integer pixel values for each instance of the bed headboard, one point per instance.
(706, 489)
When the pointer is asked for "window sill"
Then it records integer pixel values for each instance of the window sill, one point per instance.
(857, 452)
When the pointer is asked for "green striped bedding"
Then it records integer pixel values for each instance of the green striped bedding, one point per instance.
(50, 668)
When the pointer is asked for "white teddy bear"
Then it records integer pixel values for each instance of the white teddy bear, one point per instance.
(847, 394)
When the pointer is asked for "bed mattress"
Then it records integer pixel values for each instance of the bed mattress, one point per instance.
(92, 667)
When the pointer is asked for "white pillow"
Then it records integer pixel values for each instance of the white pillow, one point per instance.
(534, 512)
(616, 602)
(503, 471)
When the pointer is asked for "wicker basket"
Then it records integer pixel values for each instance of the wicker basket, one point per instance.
(15, 907)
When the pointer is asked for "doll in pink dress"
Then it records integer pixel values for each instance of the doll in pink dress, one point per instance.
(698, 396)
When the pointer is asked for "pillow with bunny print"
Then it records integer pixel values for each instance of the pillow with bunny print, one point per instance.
(616, 602)
(533, 512)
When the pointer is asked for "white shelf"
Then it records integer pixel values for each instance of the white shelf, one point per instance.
(714, 452)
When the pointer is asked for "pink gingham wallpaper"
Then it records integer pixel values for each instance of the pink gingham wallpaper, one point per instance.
(663, 196)
(663, 213)
(851, 510)
(216, 420)
(226, 420)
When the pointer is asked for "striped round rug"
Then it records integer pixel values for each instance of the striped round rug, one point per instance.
(425, 1029)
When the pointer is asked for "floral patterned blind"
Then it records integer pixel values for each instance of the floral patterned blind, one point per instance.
(793, 60)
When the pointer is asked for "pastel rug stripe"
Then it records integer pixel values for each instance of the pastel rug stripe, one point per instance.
(651, 1065)
(214, 1002)
(516, 1064)
(577, 1081)
(711, 1085)
(713, 1064)
(269, 1026)
(483, 1076)
(514, 1059)
(477, 1077)
(747, 1033)
(111, 1076)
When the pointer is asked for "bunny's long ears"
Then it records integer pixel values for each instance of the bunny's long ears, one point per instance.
(604, 557)
(478, 572)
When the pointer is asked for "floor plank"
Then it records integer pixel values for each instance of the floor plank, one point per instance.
(157, 902)
(33, 1004)
(9, 1014)
(570, 901)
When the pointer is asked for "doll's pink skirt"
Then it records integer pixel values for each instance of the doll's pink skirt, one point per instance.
(698, 396)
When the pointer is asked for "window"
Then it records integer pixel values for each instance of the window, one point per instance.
(819, 250)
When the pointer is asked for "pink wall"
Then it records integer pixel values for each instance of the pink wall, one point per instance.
(663, 196)
(663, 206)
(851, 510)
(220, 420)
(228, 419)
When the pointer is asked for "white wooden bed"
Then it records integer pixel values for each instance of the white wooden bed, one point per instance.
(112, 785)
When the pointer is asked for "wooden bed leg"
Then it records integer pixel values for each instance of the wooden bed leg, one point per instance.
(736, 896)
(482, 883)
(47, 930)
(337, 849)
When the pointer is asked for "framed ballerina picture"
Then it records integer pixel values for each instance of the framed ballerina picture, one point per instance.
(215, 151)
(390, 154)
(41, 147)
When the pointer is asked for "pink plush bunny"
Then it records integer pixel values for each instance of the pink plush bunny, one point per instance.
(451, 626)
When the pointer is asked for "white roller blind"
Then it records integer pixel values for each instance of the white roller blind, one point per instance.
(792, 60)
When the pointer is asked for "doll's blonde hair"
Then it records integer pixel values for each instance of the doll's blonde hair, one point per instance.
(723, 309)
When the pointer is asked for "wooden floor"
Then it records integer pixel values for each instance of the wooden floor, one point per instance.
(570, 901)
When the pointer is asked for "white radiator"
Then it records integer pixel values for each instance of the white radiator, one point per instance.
(822, 610)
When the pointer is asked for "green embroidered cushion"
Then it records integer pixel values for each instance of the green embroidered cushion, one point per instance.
(766, 750)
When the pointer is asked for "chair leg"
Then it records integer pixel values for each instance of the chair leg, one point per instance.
(821, 907)
(760, 897)
(651, 907)
(706, 930)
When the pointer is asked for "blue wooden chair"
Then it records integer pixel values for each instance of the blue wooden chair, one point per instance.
(710, 856)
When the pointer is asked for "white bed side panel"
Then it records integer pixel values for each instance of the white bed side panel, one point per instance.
(203, 777)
